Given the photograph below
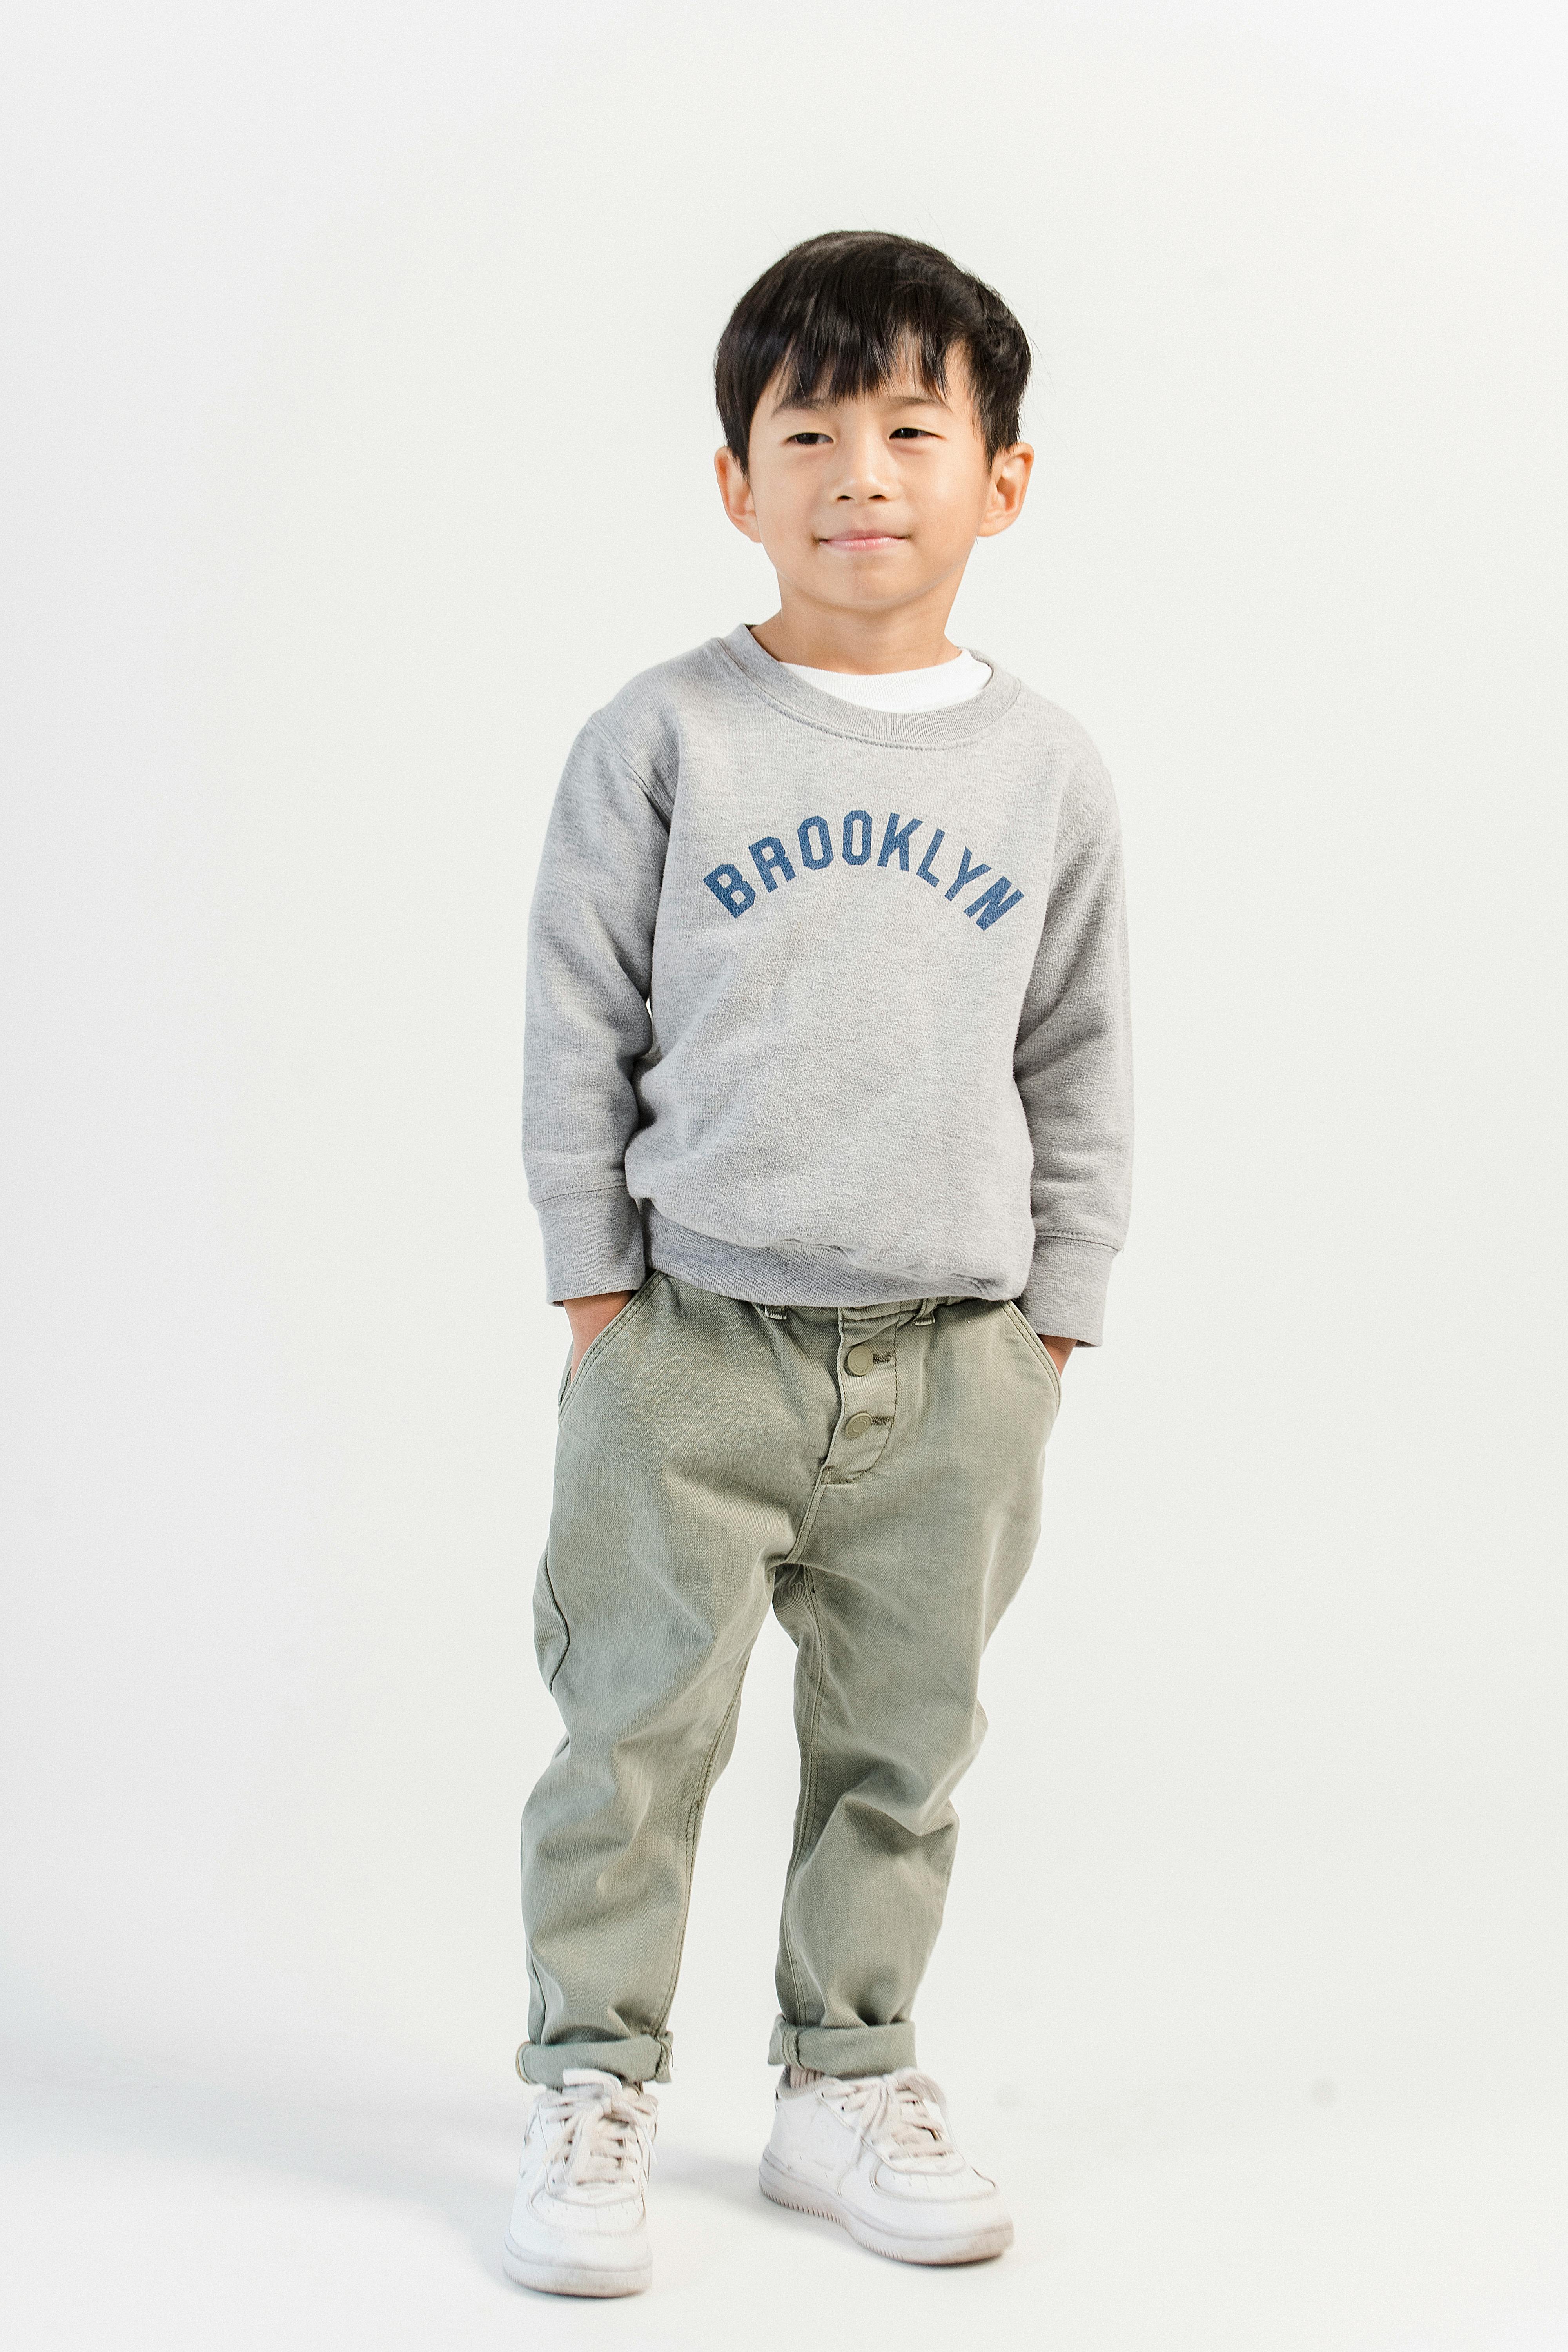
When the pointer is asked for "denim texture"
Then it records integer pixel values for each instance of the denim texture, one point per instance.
(872, 1474)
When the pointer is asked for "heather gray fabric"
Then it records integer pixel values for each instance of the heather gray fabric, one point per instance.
(828, 1005)
(873, 1473)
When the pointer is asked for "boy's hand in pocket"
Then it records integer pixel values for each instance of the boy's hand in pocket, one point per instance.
(588, 1318)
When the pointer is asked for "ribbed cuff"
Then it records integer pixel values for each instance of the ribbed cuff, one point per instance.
(592, 1242)
(1066, 1292)
(843, 2049)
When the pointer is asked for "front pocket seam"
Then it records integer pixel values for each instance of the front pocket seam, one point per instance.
(599, 1346)
(1038, 1347)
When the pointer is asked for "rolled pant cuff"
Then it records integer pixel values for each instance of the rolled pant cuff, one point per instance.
(638, 2058)
(843, 2049)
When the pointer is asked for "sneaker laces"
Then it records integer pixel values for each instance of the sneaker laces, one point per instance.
(903, 2115)
(597, 2134)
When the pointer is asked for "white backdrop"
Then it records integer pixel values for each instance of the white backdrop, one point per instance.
(357, 444)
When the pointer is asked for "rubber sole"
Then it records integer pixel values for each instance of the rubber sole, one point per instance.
(571, 2278)
(803, 2197)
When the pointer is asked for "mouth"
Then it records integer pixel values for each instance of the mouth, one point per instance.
(863, 542)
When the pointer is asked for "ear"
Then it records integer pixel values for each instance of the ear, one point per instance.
(736, 492)
(1010, 472)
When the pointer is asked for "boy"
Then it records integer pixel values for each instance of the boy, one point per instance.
(827, 1125)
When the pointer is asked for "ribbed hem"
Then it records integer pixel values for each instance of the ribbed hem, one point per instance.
(592, 1242)
(1065, 1291)
(640, 2058)
(793, 1277)
(843, 2049)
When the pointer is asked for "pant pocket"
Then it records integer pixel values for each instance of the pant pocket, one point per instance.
(1037, 1347)
(600, 1346)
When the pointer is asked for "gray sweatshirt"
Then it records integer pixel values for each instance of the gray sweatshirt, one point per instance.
(828, 1005)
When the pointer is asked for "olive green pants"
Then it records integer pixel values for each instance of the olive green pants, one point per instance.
(873, 1473)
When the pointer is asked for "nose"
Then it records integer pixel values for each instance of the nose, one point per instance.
(863, 474)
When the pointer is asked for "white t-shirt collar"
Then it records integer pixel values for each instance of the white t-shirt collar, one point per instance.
(901, 689)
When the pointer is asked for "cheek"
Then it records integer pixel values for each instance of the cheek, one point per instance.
(784, 508)
(950, 510)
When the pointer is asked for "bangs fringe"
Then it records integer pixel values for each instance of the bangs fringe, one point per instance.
(843, 315)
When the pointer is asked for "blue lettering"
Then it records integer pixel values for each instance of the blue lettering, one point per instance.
(768, 854)
(996, 902)
(967, 872)
(857, 821)
(731, 887)
(923, 869)
(893, 839)
(817, 824)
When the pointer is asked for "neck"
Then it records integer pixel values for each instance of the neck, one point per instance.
(825, 636)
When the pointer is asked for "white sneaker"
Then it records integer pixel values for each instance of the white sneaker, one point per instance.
(873, 2153)
(579, 2222)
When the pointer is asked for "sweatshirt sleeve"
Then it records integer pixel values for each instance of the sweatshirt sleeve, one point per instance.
(590, 962)
(1073, 1067)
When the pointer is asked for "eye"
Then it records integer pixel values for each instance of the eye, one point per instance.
(910, 432)
(808, 440)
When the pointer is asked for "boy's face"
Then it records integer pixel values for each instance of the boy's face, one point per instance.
(869, 504)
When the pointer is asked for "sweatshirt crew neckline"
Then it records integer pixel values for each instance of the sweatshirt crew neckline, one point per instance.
(935, 687)
(954, 722)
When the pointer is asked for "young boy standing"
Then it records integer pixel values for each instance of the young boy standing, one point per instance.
(827, 1124)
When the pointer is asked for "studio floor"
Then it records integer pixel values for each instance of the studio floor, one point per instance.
(146, 2211)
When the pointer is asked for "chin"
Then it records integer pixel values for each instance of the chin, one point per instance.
(854, 576)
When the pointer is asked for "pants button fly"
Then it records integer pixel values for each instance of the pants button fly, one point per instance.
(858, 1424)
(860, 1357)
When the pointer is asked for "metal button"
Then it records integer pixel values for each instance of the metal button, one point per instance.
(858, 1424)
(861, 1357)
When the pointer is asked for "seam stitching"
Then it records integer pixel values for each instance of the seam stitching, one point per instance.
(791, 1556)
(1019, 1323)
(808, 1789)
(616, 1324)
(544, 2009)
(693, 1823)
(846, 735)
(638, 778)
(581, 1193)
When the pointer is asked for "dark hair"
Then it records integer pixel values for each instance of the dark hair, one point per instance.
(846, 309)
